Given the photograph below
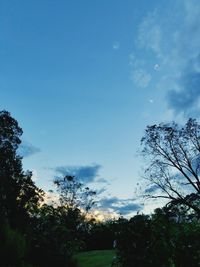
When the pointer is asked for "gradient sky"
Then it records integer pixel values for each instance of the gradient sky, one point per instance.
(84, 79)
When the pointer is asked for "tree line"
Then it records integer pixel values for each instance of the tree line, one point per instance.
(170, 236)
(33, 233)
(36, 234)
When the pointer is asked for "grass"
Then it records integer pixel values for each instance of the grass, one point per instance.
(95, 258)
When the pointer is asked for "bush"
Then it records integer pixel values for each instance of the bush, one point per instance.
(13, 247)
(159, 242)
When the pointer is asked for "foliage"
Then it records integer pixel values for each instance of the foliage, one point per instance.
(18, 194)
(173, 153)
(101, 236)
(53, 240)
(159, 241)
(36, 234)
(12, 246)
(28, 233)
(134, 242)
(73, 194)
(187, 251)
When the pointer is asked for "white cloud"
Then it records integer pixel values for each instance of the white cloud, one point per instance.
(150, 34)
(141, 77)
(171, 38)
(192, 11)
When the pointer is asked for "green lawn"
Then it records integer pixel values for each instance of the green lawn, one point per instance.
(95, 258)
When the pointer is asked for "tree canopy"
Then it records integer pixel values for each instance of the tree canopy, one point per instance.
(34, 233)
(18, 193)
(173, 154)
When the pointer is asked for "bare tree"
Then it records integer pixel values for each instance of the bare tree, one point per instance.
(173, 154)
(73, 194)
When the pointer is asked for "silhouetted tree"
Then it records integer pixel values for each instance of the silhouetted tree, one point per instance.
(10, 163)
(174, 156)
(73, 194)
(18, 194)
(54, 237)
(158, 241)
(101, 235)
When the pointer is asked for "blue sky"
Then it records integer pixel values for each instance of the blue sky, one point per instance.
(84, 79)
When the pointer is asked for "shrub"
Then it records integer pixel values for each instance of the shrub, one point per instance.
(13, 247)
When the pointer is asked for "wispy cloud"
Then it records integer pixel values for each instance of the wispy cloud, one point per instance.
(141, 77)
(187, 99)
(108, 202)
(171, 38)
(150, 34)
(101, 190)
(86, 174)
(128, 208)
(120, 206)
(27, 149)
(151, 189)
(102, 181)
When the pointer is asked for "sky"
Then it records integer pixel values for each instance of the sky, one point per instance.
(84, 79)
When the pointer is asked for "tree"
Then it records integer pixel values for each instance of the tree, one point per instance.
(76, 201)
(73, 194)
(19, 196)
(158, 241)
(101, 235)
(144, 242)
(10, 163)
(53, 240)
(174, 156)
